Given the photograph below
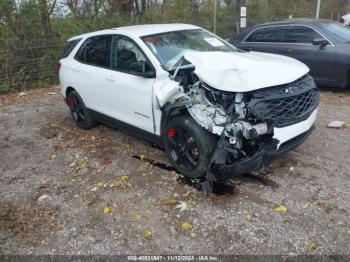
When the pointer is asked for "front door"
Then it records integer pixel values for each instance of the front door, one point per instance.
(129, 97)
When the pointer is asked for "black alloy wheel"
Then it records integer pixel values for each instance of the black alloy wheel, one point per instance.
(188, 146)
(79, 112)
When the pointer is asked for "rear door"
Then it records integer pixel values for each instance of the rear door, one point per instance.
(90, 68)
(267, 39)
(298, 44)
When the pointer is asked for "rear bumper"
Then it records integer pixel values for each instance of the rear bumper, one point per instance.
(261, 158)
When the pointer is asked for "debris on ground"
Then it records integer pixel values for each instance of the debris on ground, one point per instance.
(336, 124)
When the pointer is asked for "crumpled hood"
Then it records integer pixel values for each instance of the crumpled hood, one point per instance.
(244, 72)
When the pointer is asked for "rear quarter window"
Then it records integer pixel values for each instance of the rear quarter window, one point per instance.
(69, 47)
(95, 51)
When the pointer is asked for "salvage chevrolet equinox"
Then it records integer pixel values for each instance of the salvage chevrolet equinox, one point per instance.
(217, 111)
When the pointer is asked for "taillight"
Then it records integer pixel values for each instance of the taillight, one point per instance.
(58, 67)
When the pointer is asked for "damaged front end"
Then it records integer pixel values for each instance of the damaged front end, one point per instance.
(246, 123)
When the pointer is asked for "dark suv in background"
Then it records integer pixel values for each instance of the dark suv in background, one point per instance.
(323, 45)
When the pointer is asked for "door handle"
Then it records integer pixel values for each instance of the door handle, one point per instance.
(287, 50)
(110, 78)
(76, 69)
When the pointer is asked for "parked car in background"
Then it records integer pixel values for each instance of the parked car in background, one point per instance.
(323, 45)
(216, 111)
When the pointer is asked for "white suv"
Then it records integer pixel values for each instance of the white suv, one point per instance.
(216, 110)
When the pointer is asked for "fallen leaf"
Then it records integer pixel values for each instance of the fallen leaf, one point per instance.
(281, 209)
(186, 226)
(124, 178)
(313, 246)
(142, 157)
(104, 139)
(147, 234)
(122, 182)
(248, 216)
(93, 138)
(137, 218)
(106, 161)
(184, 206)
(306, 205)
(102, 184)
(88, 203)
(193, 235)
(169, 202)
(108, 210)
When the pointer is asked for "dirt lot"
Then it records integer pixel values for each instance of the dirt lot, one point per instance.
(69, 191)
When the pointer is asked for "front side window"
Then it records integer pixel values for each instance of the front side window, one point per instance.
(338, 32)
(124, 52)
(169, 47)
(266, 35)
(95, 51)
(299, 34)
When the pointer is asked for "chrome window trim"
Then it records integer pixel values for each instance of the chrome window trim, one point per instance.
(271, 26)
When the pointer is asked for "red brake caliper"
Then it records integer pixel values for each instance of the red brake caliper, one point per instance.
(71, 103)
(171, 133)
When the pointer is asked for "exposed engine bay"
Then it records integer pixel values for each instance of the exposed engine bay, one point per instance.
(220, 113)
(243, 122)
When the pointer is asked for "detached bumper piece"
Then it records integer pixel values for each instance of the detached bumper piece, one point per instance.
(220, 169)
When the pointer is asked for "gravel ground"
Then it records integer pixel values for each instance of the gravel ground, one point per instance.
(70, 191)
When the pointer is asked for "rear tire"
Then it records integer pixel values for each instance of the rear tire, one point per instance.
(79, 112)
(189, 147)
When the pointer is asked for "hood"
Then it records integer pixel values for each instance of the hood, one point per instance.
(244, 72)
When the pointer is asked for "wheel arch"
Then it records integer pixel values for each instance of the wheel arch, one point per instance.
(69, 90)
(168, 113)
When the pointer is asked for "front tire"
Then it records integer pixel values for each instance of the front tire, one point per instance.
(189, 147)
(79, 112)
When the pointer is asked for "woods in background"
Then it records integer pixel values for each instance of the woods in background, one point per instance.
(33, 32)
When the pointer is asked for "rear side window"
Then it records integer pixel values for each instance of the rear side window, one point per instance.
(95, 51)
(266, 35)
(69, 47)
(299, 34)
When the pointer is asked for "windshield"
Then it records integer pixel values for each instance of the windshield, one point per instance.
(169, 47)
(338, 32)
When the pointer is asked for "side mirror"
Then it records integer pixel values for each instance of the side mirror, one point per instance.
(320, 41)
(143, 69)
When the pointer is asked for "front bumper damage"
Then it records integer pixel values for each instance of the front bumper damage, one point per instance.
(252, 128)
(219, 169)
